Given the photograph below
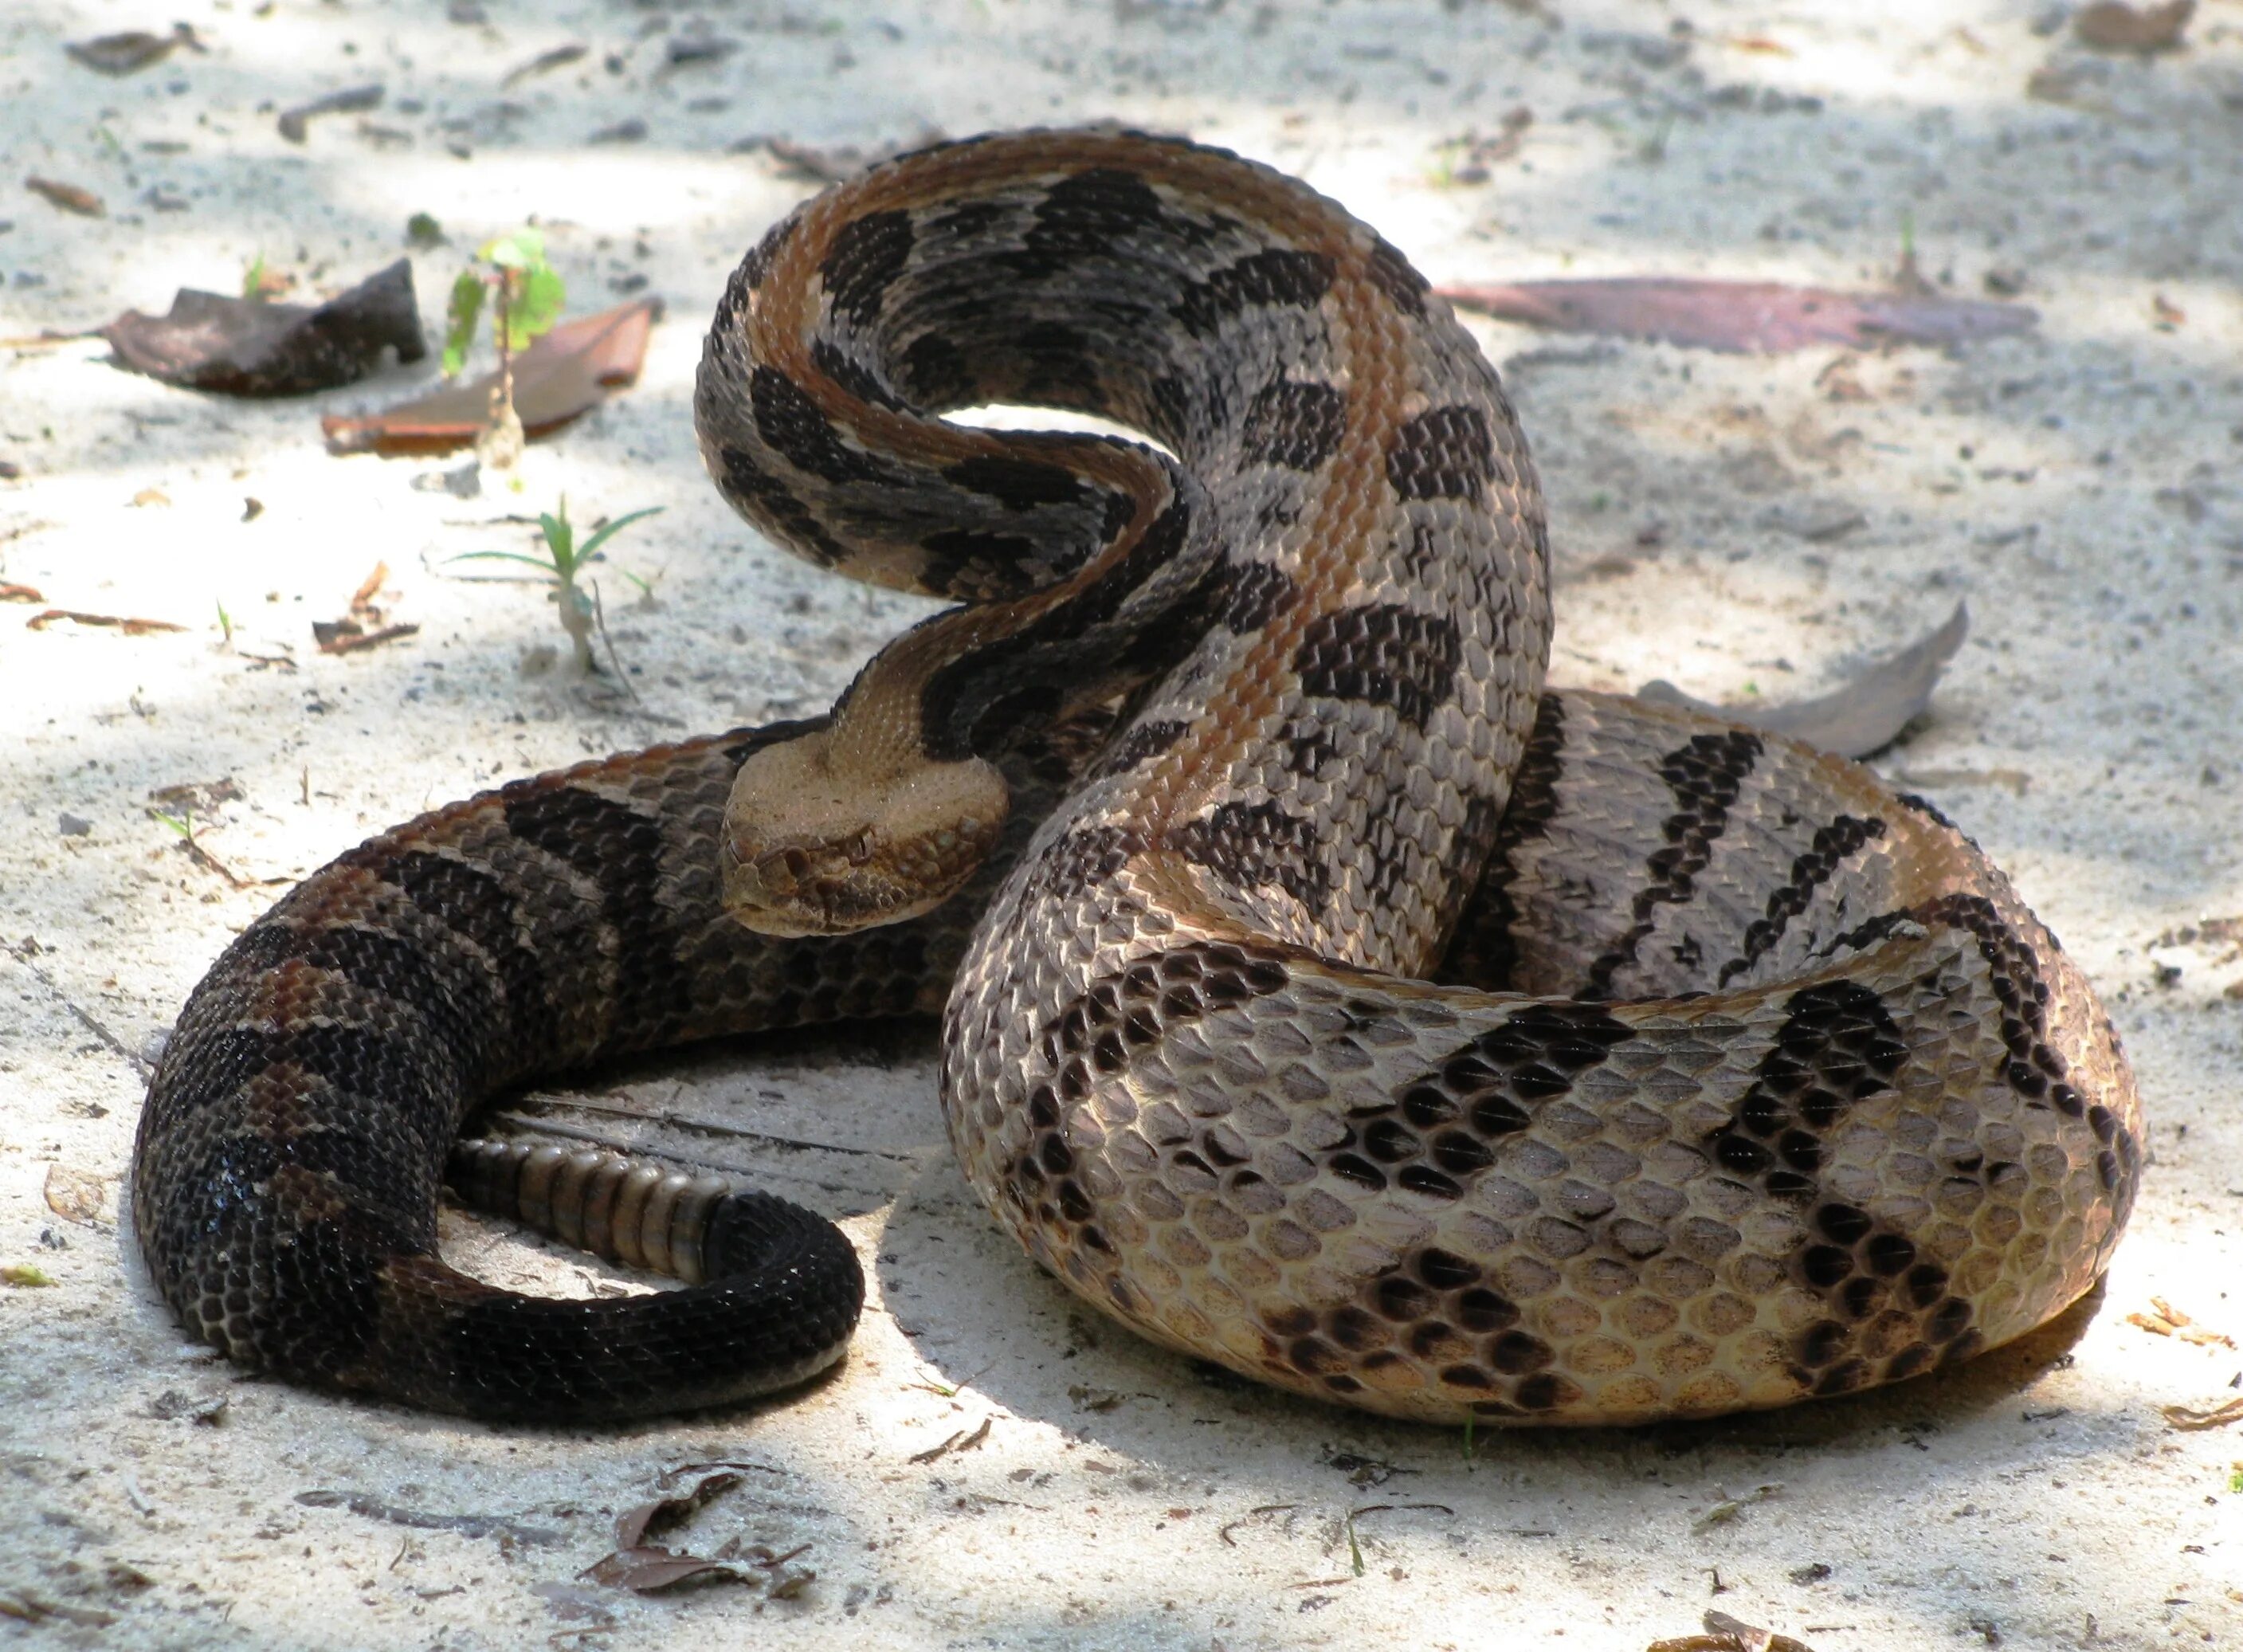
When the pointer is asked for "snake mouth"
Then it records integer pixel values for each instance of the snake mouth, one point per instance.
(821, 889)
(806, 850)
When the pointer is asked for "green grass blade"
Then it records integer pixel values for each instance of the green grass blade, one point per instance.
(460, 320)
(592, 545)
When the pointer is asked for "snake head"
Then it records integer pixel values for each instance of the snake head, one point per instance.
(819, 840)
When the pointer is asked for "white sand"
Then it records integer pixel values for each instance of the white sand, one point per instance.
(2078, 487)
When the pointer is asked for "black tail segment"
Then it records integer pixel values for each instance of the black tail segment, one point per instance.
(772, 1292)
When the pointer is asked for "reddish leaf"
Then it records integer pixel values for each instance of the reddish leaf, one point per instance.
(1765, 317)
(130, 627)
(236, 347)
(2112, 25)
(566, 373)
(348, 636)
(69, 197)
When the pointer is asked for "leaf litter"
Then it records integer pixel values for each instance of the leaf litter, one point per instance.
(565, 373)
(1865, 715)
(351, 100)
(2112, 25)
(130, 627)
(239, 347)
(1727, 1633)
(365, 623)
(1744, 317)
(133, 50)
(69, 198)
(646, 1568)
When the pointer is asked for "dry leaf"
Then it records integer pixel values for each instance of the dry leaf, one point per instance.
(77, 1197)
(809, 163)
(20, 594)
(648, 1571)
(237, 347)
(2111, 25)
(959, 1441)
(2189, 1420)
(1763, 317)
(130, 627)
(353, 100)
(348, 636)
(202, 797)
(1729, 1507)
(128, 53)
(560, 56)
(69, 197)
(361, 602)
(2171, 1322)
(1864, 716)
(566, 372)
(634, 1526)
(1725, 1634)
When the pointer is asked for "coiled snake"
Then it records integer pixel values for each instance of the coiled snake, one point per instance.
(1320, 995)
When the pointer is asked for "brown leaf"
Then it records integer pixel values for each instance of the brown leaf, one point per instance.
(561, 375)
(2171, 1322)
(130, 627)
(648, 1571)
(27, 1607)
(348, 636)
(351, 100)
(128, 53)
(1725, 1634)
(634, 1526)
(236, 347)
(1763, 317)
(20, 594)
(1864, 716)
(69, 197)
(959, 1441)
(76, 1197)
(810, 164)
(559, 57)
(2112, 25)
(204, 797)
(2189, 1420)
(361, 602)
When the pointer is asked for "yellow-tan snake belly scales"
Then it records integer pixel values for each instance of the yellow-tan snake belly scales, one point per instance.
(1320, 994)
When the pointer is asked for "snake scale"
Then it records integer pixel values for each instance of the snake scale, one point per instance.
(1320, 995)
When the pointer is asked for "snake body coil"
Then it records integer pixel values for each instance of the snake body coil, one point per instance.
(1321, 995)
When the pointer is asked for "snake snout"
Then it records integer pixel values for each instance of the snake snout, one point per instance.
(811, 846)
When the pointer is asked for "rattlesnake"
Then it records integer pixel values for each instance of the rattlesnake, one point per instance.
(1736, 1078)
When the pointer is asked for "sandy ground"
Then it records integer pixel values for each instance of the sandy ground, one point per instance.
(1741, 526)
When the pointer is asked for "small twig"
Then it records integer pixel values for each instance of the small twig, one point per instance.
(23, 955)
(713, 1127)
(600, 619)
(1252, 1513)
(367, 640)
(959, 1441)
